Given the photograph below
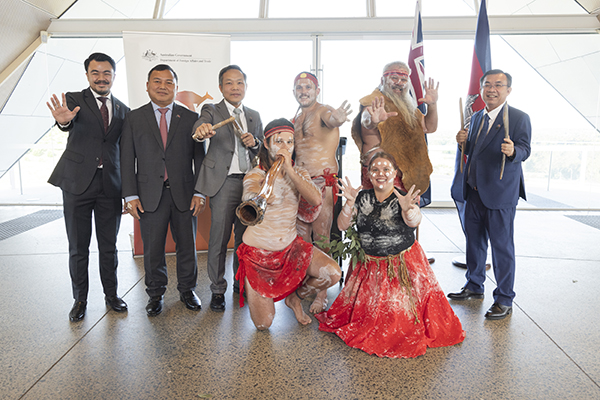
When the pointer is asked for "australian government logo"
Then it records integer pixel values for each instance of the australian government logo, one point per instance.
(151, 55)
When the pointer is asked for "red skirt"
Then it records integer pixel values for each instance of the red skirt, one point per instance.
(376, 313)
(273, 274)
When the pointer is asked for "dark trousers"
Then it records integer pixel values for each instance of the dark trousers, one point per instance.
(78, 211)
(481, 224)
(222, 220)
(154, 227)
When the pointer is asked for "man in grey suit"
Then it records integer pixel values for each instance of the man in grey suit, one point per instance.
(158, 163)
(88, 174)
(228, 158)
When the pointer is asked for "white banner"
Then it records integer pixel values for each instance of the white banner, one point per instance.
(197, 60)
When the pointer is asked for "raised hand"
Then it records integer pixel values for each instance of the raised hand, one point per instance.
(340, 115)
(431, 92)
(410, 200)
(61, 112)
(347, 191)
(377, 111)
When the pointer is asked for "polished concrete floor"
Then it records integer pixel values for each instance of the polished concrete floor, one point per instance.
(549, 348)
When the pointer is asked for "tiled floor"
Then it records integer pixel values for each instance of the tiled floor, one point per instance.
(548, 349)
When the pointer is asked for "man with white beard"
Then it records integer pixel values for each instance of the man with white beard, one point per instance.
(393, 124)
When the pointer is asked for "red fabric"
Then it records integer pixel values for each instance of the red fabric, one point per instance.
(308, 213)
(273, 274)
(164, 132)
(373, 313)
(366, 182)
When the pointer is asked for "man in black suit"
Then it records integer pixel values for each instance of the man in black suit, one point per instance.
(229, 157)
(158, 163)
(88, 174)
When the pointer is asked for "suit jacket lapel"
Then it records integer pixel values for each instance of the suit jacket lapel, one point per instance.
(249, 120)
(116, 112)
(224, 114)
(496, 129)
(175, 118)
(154, 129)
(92, 103)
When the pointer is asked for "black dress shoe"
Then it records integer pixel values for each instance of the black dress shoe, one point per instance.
(498, 311)
(78, 311)
(465, 294)
(154, 306)
(217, 302)
(190, 300)
(116, 303)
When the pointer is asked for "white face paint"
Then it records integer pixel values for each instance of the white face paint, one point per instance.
(382, 173)
(280, 140)
(305, 92)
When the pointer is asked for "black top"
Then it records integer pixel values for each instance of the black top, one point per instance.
(380, 226)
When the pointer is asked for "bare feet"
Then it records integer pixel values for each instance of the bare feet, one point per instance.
(293, 302)
(320, 302)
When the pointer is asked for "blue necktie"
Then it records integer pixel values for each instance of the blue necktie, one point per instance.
(471, 177)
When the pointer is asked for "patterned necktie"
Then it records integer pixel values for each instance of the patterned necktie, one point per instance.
(164, 131)
(240, 145)
(484, 128)
(104, 112)
(471, 179)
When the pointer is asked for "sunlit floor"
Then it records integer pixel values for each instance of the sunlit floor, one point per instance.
(549, 348)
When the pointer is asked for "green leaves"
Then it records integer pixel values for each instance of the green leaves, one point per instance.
(342, 248)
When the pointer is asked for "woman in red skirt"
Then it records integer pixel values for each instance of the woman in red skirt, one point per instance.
(392, 304)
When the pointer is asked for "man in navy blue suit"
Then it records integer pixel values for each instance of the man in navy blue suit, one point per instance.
(491, 196)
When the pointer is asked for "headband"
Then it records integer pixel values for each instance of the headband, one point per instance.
(306, 75)
(400, 72)
(277, 129)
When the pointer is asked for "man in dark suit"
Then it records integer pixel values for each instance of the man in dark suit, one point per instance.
(229, 157)
(88, 174)
(491, 195)
(158, 160)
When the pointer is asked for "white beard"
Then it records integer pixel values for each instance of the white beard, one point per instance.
(406, 107)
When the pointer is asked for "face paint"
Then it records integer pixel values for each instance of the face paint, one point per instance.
(395, 80)
(281, 140)
(382, 173)
(305, 92)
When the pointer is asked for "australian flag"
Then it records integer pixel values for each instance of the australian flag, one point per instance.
(482, 62)
(416, 61)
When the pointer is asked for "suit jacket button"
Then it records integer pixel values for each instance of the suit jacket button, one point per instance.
(97, 158)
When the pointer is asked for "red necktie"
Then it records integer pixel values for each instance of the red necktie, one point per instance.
(164, 131)
(104, 112)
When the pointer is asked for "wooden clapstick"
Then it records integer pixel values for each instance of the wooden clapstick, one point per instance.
(215, 127)
(223, 123)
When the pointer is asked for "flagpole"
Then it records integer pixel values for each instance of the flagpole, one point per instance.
(462, 126)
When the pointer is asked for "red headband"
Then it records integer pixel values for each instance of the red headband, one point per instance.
(304, 75)
(395, 71)
(277, 129)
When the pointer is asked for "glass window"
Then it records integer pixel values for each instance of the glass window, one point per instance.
(430, 8)
(317, 9)
(203, 9)
(271, 67)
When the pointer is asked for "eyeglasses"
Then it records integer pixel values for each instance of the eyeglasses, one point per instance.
(496, 86)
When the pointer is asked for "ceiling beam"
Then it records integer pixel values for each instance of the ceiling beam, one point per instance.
(432, 26)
